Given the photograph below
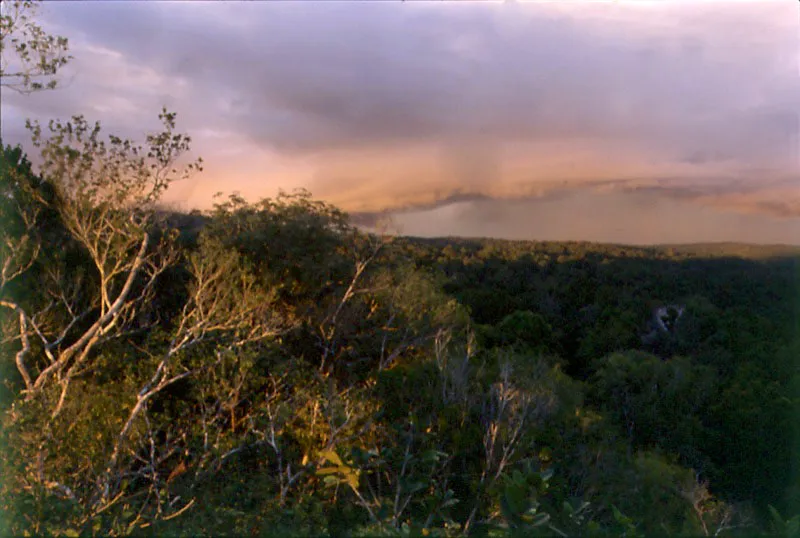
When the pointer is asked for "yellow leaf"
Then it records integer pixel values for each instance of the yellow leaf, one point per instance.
(332, 457)
(352, 479)
(328, 470)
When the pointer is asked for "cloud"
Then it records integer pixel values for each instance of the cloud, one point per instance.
(400, 106)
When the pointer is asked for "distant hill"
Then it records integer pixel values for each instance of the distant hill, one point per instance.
(569, 249)
(742, 250)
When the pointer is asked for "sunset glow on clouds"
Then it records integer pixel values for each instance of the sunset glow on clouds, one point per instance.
(488, 109)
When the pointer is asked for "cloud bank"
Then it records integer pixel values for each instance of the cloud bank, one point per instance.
(405, 106)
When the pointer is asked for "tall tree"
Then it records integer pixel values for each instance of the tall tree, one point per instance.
(31, 58)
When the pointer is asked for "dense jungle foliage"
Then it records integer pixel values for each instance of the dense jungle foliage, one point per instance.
(267, 368)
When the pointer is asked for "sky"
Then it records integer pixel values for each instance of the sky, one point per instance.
(621, 121)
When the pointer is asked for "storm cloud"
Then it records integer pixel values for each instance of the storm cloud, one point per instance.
(407, 106)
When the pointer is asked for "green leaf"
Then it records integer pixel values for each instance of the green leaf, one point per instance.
(546, 475)
(793, 527)
(449, 502)
(535, 519)
(413, 487)
(516, 498)
(776, 516)
(508, 512)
